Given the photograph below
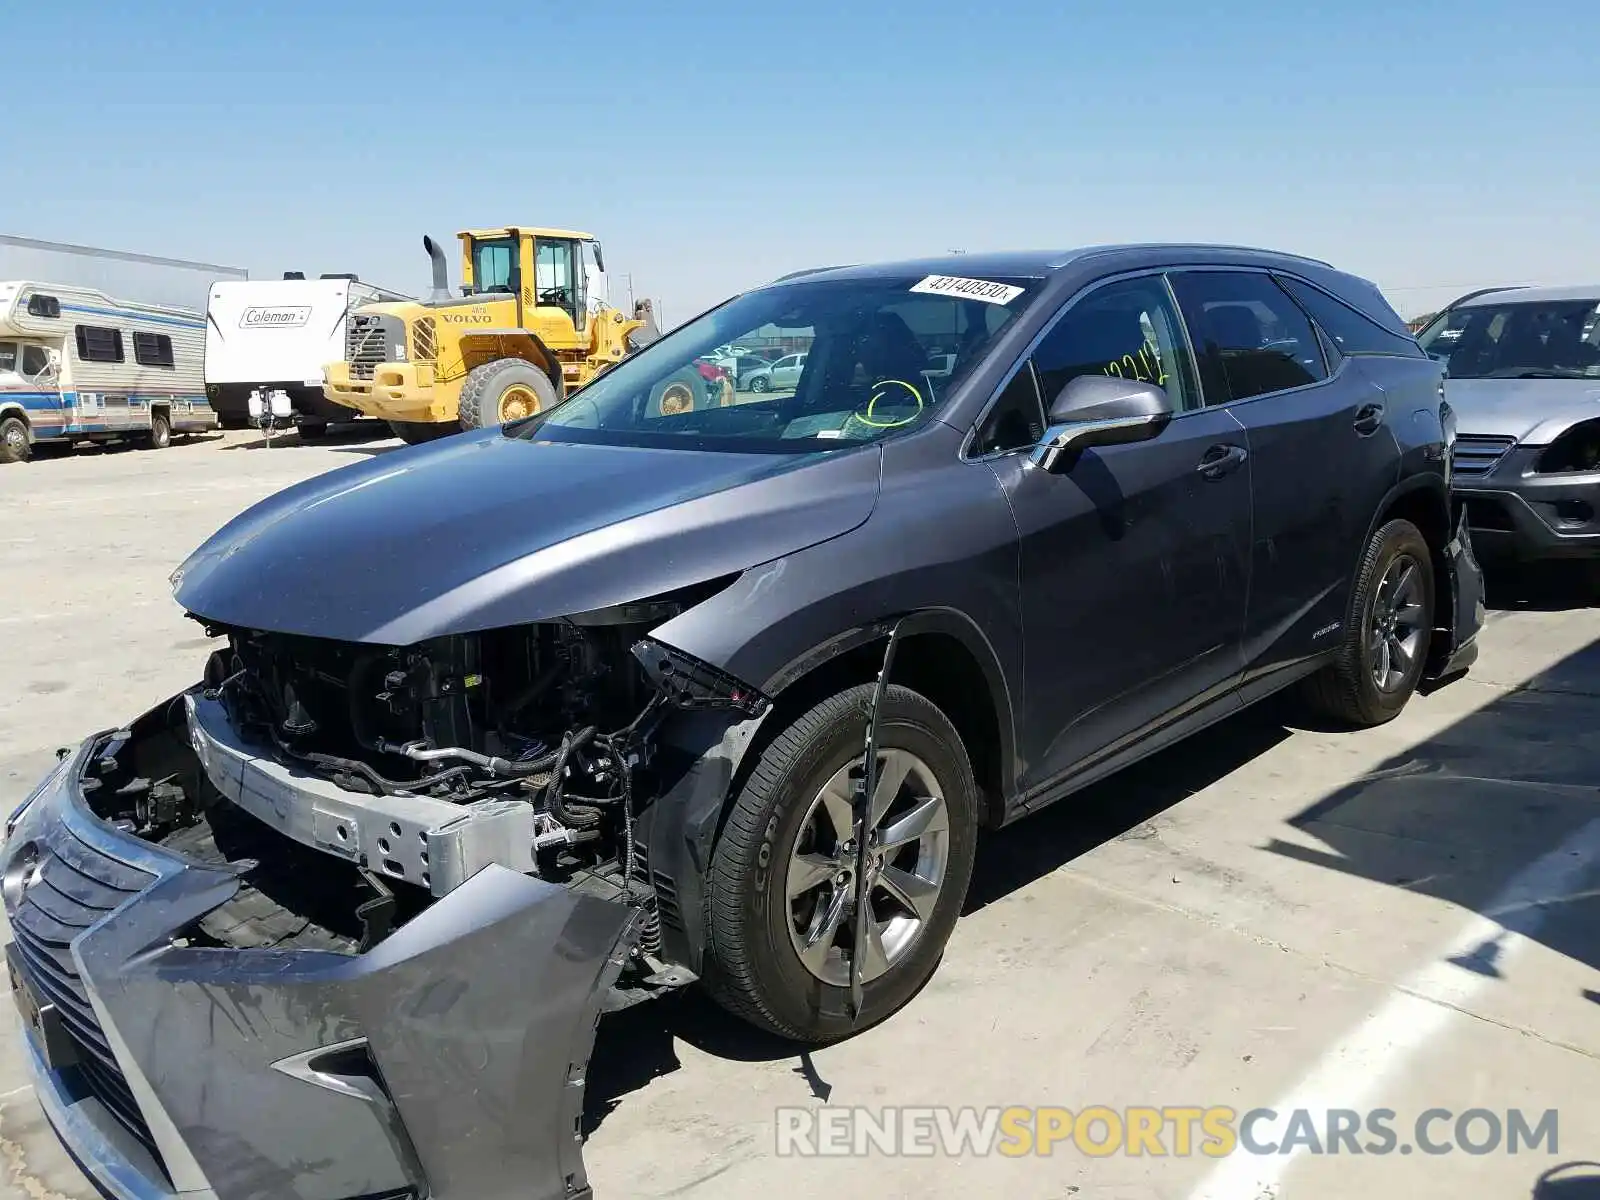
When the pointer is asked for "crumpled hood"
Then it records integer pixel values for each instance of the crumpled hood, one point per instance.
(1535, 411)
(481, 530)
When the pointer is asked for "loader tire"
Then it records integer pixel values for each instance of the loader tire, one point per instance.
(779, 867)
(507, 389)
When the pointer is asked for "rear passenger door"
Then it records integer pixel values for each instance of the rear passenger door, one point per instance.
(1321, 452)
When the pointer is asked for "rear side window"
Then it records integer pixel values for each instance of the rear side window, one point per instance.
(98, 344)
(152, 349)
(1250, 337)
(1350, 330)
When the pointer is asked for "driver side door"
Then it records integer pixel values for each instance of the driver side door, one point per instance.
(1135, 558)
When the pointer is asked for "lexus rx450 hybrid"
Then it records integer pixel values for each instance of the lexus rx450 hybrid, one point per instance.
(549, 718)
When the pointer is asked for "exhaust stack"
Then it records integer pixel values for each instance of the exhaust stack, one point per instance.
(441, 269)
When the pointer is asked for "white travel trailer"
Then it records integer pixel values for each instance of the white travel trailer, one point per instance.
(77, 365)
(277, 335)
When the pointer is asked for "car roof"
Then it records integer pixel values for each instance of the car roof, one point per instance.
(1533, 295)
(1039, 264)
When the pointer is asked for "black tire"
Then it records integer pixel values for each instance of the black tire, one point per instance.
(761, 383)
(313, 431)
(416, 433)
(160, 435)
(753, 968)
(505, 381)
(14, 444)
(1347, 689)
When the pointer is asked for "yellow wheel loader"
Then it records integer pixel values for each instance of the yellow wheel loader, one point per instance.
(531, 323)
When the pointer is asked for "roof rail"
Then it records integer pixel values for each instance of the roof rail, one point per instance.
(1510, 287)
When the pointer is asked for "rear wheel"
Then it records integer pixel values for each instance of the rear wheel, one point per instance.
(160, 435)
(415, 433)
(761, 383)
(14, 445)
(782, 877)
(1386, 634)
(507, 389)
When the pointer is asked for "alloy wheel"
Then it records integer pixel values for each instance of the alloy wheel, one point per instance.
(908, 852)
(1399, 622)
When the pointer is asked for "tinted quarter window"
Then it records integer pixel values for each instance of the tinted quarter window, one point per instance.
(96, 344)
(1017, 419)
(1252, 339)
(1351, 331)
(152, 349)
(1128, 329)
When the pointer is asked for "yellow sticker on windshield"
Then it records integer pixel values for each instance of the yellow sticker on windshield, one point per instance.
(968, 289)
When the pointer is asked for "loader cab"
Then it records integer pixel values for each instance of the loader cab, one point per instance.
(556, 277)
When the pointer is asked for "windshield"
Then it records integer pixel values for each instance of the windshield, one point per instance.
(491, 265)
(1548, 339)
(820, 365)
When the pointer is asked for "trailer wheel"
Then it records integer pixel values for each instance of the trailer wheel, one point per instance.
(14, 444)
(415, 433)
(313, 431)
(160, 435)
(782, 875)
(506, 389)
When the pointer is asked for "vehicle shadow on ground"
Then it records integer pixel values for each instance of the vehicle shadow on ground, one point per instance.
(339, 438)
(638, 1045)
(46, 453)
(1459, 816)
(1542, 587)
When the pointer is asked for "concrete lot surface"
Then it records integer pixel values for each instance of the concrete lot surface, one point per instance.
(1273, 915)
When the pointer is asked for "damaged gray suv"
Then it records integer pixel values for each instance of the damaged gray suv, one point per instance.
(536, 722)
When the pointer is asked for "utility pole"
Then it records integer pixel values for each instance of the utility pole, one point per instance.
(630, 291)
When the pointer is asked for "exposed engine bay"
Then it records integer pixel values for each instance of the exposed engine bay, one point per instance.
(529, 747)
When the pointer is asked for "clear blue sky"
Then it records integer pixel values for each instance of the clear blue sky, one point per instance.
(713, 145)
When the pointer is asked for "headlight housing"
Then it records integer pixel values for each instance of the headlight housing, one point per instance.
(1578, 449)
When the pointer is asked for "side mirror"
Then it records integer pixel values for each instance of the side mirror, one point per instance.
(1101, 410)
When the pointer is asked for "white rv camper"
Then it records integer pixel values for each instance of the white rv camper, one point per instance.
(277, 335)
(77, 365)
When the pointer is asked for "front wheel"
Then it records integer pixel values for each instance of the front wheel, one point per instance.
(14, 444)
(1387, 632)
(782, 878)
(506, 389)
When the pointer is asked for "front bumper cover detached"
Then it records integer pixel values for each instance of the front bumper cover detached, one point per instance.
(448, 1061)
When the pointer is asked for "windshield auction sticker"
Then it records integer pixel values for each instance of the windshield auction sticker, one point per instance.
(968, 289)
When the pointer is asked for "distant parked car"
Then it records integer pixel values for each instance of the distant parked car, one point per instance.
(1523, 377)
(782, 375)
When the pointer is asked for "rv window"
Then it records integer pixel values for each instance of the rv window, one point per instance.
(35, 361)
(152, 349)
(98, 344)
(40, 305)
(8, 356)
